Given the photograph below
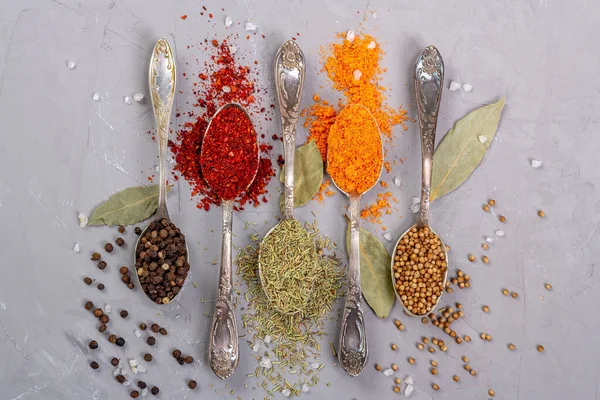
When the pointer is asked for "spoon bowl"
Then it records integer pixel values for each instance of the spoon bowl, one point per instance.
(429, 81)
(162, 80)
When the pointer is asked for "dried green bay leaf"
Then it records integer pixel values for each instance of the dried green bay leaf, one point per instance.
(308, 173)
(463, 148)
(375, 278)
(129, 206)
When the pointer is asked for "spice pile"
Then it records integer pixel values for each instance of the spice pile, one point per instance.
(229, 156)
(161, 261)
(222, 81)
(286, 346)
(420, 270)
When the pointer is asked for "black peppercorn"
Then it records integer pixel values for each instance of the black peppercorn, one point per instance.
(176, 353)
(120, 242)
(125, 278)
(89, 305)
(138, 230)
(121, 229)
(120, 342)
(135, 394)
(114, 362)
(163, 331)
(120, 378)
(94, 365)
(93, 344)
(98, 312)
(148, 357)
(154, 390)
(143, 326)
(95, 257)
(151, 340)
(192, 384)
(88, 281)
(112, 338)
(102, 328)
(108, 247)
(104, 319)
(181, 360)
(101, 286)
(155, 328)
(189, 359)
(124, 314)
(142, 384)
(124, 270)
(102, 265)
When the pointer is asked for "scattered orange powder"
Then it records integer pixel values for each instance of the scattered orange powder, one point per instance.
(373, 212)
(319, 118)
(324, 190)
(383, 184)
(387, 166)
(184, 17)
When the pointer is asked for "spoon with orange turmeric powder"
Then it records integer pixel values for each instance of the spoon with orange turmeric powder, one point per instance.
(354, 162)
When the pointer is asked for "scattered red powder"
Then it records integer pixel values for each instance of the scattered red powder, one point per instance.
(184, 17)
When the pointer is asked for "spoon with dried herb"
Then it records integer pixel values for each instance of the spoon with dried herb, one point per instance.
(161, 254)
(419, 265)
(229, 160)
(354, 162)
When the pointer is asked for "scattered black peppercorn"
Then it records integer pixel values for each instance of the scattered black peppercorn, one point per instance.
(94, 365)
(192, 384)
(121, 229)
(102, 328)
(93, 345)
(120, 342)
(108, 247)
(181, 360)
(114, 362)
(138, 230)
(135, 394)
(112, 338)
(120, 378)
(126, 278)
(189, 359)
(98, 312)
(120, 242)
(176, 353)
(155, 328)
(148, 357)
(130, 285)
(89, 305)
(88, 281)
(142, 384)
(163, 331)
(95, 257)
(154, 390)
(124, 270)
(104, 319)
(143, 326)
(124, 314)
(102, 265)
(101, 286)
(151, 340)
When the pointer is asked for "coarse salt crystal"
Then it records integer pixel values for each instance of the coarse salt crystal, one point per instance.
(375, 15)
(83, 220)
(387, 236)
(315, 365)
(416, 200)
(250, 26)
(126, 383)
(134, 370)
(95, 97)
(536, 163)
(305, 388)
(141, 368)
(409, 389)
(397, 182)
(482, 139)
(489, 240)
(144, 392)
(350, 36)
(76, 248)
(415, 208)
(232, 49)
(454, 86)
(388, 372)
(265, 362)
(409, 380)
(71, 64)
(226, 89)
(286, 392)
(133, 362)
(137, 333)
(117, 371)
(107, 308)
(267, 339)
(255, 347)
(499, 233)
(467, 87)
(371, 45)
(357, 74)
(120, 364)
(228, 22)
(138, 97)
(127, 100)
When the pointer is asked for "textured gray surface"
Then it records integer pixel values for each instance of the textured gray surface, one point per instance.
(63, 153)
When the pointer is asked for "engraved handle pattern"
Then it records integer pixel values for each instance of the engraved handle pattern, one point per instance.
(223, 355)
(353, 350)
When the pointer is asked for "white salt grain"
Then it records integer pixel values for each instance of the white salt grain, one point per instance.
(454, 86)
(76, 248)
(117, 371)
(357, 74)
(250, 26)
(536, 163)
(375, 15)
(107, 308)
(500, 233)
(409, 389)
(489, 240)
(96, 97)
(126, 383)
(256, 347)
(397, 182)
(127, 100)
(305, 388)
(466, 87)
(267, 339)
(232, 49)
(350, 36)
(371, 45)
(71, 64)
(387, 236)
(144, 392)
(133, 363)
(482, 139)
(138, 97)
(265, 362)
(409, 380)
(416, 200)
(286, 392)
(388, 372)
(315, 365)
(141, 368)
(137, 333)
(226, 89)
(83, 220)
(228, 22)
(415, 208)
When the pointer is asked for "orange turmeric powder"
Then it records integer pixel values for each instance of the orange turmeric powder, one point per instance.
(354, 153)
(378, 208)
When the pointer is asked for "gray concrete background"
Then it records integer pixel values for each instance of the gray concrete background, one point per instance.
(63, 153)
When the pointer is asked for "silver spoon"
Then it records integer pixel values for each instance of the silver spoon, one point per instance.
(223, 355)
(289, 79)
(353, 350)
(162, 79)
(429, 82)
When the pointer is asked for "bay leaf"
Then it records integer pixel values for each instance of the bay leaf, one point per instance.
(308, 173)
(127, 207)
(375, 275)
(463, 148)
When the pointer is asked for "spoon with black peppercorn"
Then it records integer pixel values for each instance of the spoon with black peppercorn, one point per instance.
(161, 254)
(419, 264)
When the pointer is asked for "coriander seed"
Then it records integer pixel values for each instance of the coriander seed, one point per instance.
(397, 381)
(104, 319)
(433, 363)
(120, 378)
(491, 393)
(485, 260)
(394, 347)
(540, 348)
(394, 367)
(435, 386)
(511, 346)
(377, 366)
(425, 340)
(502, 218)
(396, 389)
(190, 359)
(465, 359)
(492, 202)
(102, 265)
(397, 323)
(411, 360)
(458, 340)
(433, 371)
(424, 320)
(456, 378)
(420, 346)
(431, 350)
(514, 295)
(541, 214)
(401, 327)
(486, 208)
(505, 292)
(482, 336)
(485, 309)
(467, 367)
(471, 258)
(473, 372)
(485, 246)
(548, 286)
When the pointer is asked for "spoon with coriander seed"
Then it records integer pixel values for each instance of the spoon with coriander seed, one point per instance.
(229, 161)
(161, 253)
(354, 162)
(420, 253)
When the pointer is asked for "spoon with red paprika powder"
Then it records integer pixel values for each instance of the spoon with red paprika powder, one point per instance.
(229, 160)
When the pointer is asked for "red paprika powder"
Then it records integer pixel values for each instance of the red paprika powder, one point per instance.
(229, 158)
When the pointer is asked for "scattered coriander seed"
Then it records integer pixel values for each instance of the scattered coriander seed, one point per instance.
(377, 366)
(124, 270)
(505, 292)
(142, 384)
(87, 280)
(148, 357)
(155, 328)
(485, 246)
(95, 257)
(511, 346)
(89, 305)
(190, 359)
(120, 342)
(120, 378)
(425, 340)
(485, 309)
(397, 323)
(134, 394)
(192, 384)
(465, 359)
(485, 260)
(435, 341)
(482, 336)
(112, 338)
(394, 367)
(431, 350)
(154, 390)
(456, 378)
(444, 348)
(471, 258)
(491, 392)
(460, 314)
(420, 346)
(473, 372)
(449, 290)
(101, 286)
(401, 327)
(411, 360)
(467, 367)
(94, 365)
(435, 386)
(397, 381)
(163, 331)
(492, 202)
(433, 363)
(121, 229)
(486, 208)
(502, 218)
(104, 319)
(396, 389)
(108, 247)
(177, 354)
(514, 295)
(124, 314)
(394, 346)
(433, 371)
(540, 348)
(467, 285)
(98, 312)
(424, 320)
(114, 362)
(458, 340)
(541, 214)
(454, 282)
(548, 286)
(151, 340)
